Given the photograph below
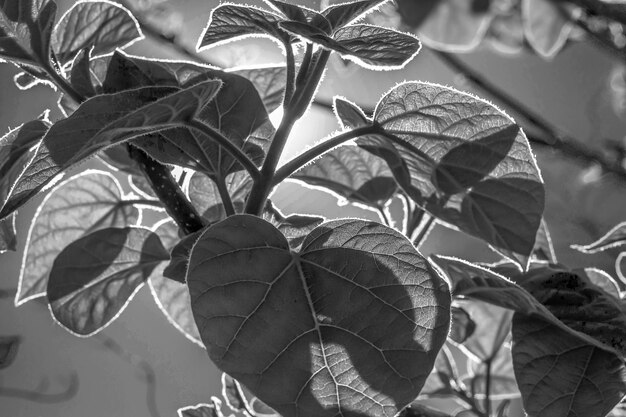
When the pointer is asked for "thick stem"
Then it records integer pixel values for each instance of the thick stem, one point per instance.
(291, 75)
(230, 147)
(309, 155)
(227, 202)
(62, 84)
(167, 190)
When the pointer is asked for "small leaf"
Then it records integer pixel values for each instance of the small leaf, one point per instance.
(349, 115)
(100, 27)
(601, 279)
(269, 82)
(202, 410)
(544, 249)
(560, 375)
(351, 173)
(172, 297)
(25, 30)
(294, 12)
(25, 81)
(545, 27)
(462, 325)
(80, 76)
(229, 22)
(8, 350)
(612, 239)
(8, 240)
(295, 227)
(103, 121)
(386, 338)
(421, 123)
(89, 201)
(233, 394)
(261, 409)
(340, 15)
(453, 26)
(94, 278)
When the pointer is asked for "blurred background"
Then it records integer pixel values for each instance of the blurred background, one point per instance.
(142, 366)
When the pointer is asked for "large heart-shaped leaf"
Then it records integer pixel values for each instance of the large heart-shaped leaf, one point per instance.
(353, 174)
(94, 278)
(237, 112)
(89, 201)
(25, 30)
(279, 323)
(545, 26)
(101, 25)
(464, 160)
(560, 375)
(103, 121)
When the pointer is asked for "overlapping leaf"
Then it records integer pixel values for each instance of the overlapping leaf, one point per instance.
(462, 159)
(269, 82)
(442, 380)
(204, 194)
(370, 355)
(94, 278)
(89, 201)
(103, 121)
(101, 25)
(8, 239)
(545, 26)
(295, 227)
(237, 112)
(233, 394)
(25, 30)
(353, 174)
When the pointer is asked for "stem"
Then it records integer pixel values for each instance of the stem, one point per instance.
(488, 388)
(306, 63)
(167, 190)
(291, 75)
(316, 151)
(423, 233)
(230, 147)
(227, 202)
(62, 84)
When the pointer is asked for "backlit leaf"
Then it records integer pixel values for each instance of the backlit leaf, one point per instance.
(544, 249)
(443, 376)
(560, 375)
(339, 15)
(601, 279)
(294, 227)
(202, 410)
(351, 173)
(503, 384)
(8, 350)
(269, 82)
(25, 81)
(293, 340)
(25, 30)
(613, 238)
(204, 194)
(422, 123)
(95, 277)
(172, 297)
(462, 326)
(233, 394)
(87, 202)
(102, 25)
(349, 115)
(545, 27)
(103, 121)
(8, 240)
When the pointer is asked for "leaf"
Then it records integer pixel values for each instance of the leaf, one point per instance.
(172, 297)
(8, 350)
(545, 27)
(462, 326)
(601, 279)
(295, 227)
(103, 121)
(229, 22)
(94, 278)
(296, 12)
(503, 384)
(372, 47)
(25, 30)
(233, 394)
(102, 25)
(351, 173)
(205, 197)
(560, 375)
(544, 249)
(8, 240)
(612, 239)
(237, 112)
(618, 411)
(340, 15)
(269, 82)
(89, 201)
(261, 409)
(25, 81)
(80, 76)
(382, 343)
(442, 379)
(421, 410)
(421, 123)
(453, 26)
(202, 410)
(349, 115)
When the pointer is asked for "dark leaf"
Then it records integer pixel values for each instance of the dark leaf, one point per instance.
(351, 173)
(340, 15)
(233, 394)
(172, 297)
(8, 350)
(204, 194)
(545, 27)
(25, 30)
(370, 355)
(544, 249)
(349, 115)
(8, 240)
(294, 227)
(80, 76)
(560, 375)
(94, 278)
(613, 238)
(87, 202)
(269, 82)
(103, 121)
(462, 326)
(423, 123)
(103, 26)
(421, 410)
(231, 21)
(293, 12)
